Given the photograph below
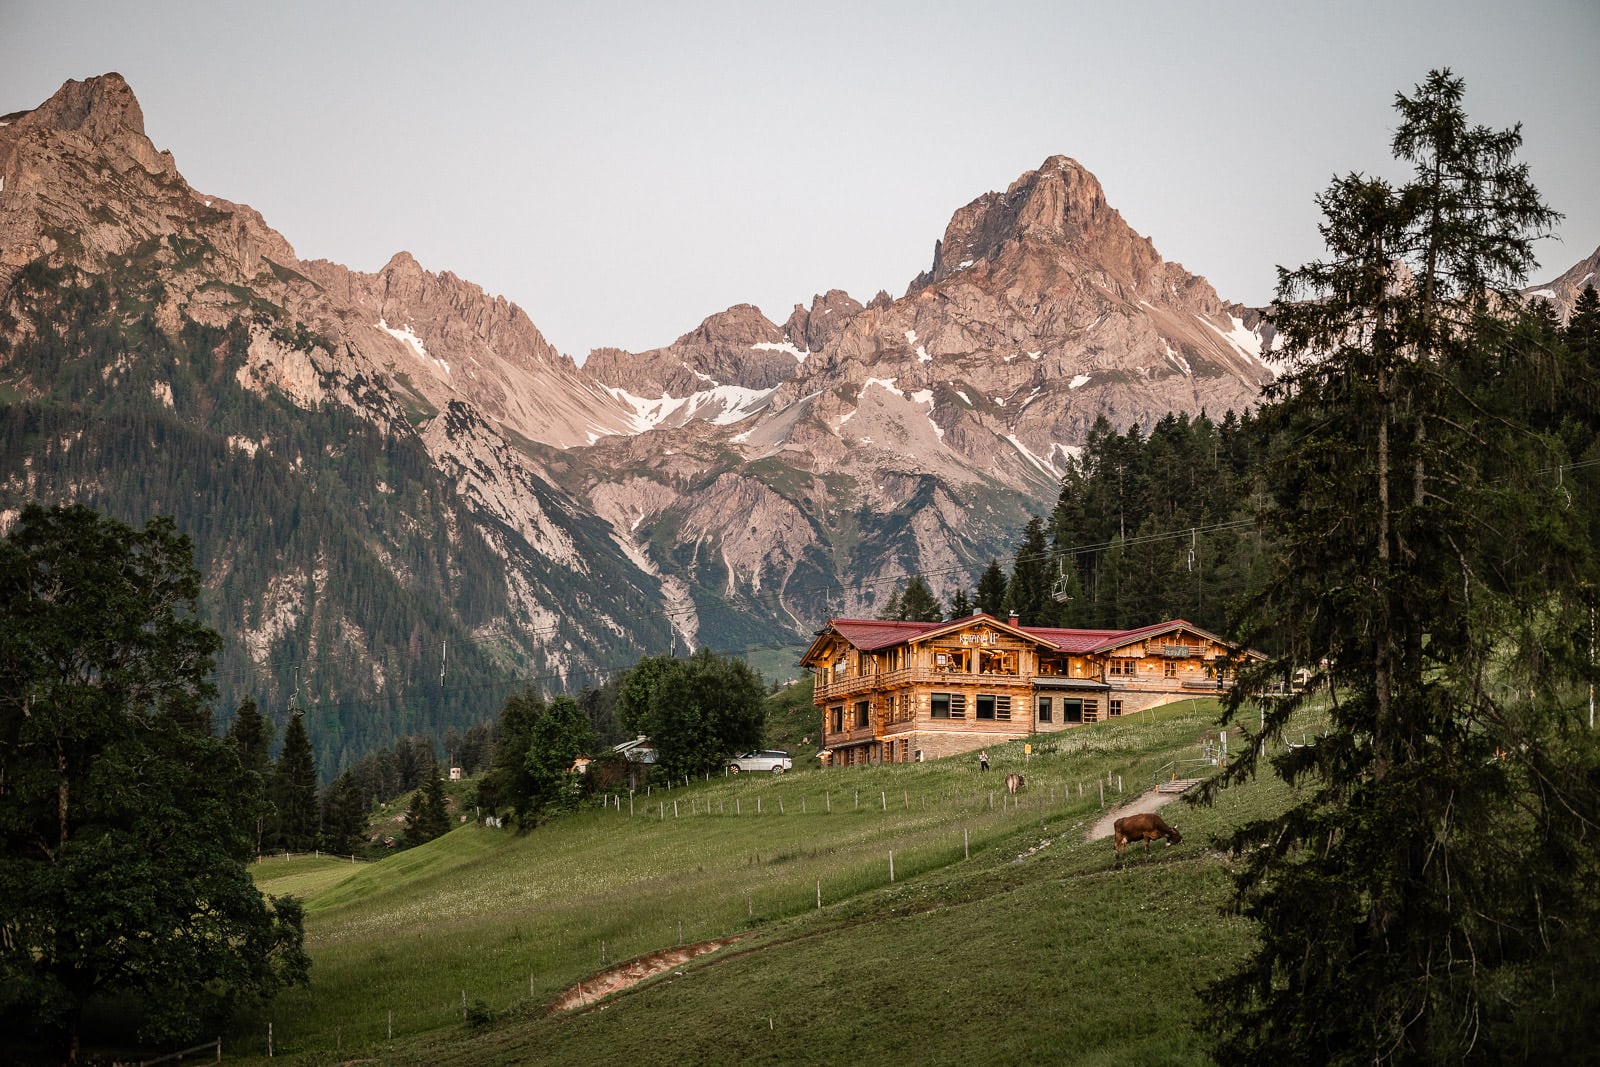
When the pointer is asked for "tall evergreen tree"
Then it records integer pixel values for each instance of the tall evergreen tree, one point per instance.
(344, 817)
(1421, 899)
(991, 595)
(294, 789)
(251, 736)
(1033, 574)
(961, 604)
(426, 816)
(918, 604)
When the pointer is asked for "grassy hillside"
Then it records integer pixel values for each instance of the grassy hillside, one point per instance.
(1003, 936)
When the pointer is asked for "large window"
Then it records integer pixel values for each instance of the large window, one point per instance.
(1046, 709)
(948, 705)
(1071, 710)
(836, 718)
(1122, 667)
(862, 711)
(993, 706)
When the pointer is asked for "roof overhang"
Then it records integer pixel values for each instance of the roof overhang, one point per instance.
(1084, 684)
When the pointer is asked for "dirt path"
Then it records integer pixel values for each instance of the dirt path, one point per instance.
(1147, 801)
(631, 973)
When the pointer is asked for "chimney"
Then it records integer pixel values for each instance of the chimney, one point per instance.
(1016, 620)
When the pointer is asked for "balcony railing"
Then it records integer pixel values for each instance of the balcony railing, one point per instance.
(860, 683)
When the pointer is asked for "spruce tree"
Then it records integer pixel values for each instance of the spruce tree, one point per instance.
(1422, 896)
(991, 595)
(294, 789)
(961, 604)
(251, 736)
(1033, 573)
(344, 817)
(918, 604)
(426, 816)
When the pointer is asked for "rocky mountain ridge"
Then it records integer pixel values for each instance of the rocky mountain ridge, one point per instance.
(402, 474)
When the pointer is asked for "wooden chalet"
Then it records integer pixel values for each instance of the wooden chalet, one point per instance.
(900, 692)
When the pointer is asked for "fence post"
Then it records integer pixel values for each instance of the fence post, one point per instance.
(966, 847)
(891, 866)
(819, 894)
(883, 798)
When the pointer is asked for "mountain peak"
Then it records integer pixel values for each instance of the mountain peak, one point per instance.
(99, 108)
(1058, 210)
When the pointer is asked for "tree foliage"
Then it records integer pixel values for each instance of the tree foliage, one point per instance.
(696, 710)
(915, 603)
(1423, 897)
(560, 736)
(294, 790)
(991, 595)
(426, 817)
(122, 842)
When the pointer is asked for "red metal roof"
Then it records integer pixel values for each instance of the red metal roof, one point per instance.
(870, 635)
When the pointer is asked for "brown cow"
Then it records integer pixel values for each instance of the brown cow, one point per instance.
(1014, 782)
(1144, 827)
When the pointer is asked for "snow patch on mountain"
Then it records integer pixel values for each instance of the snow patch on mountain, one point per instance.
(783, 346)
(408, 337)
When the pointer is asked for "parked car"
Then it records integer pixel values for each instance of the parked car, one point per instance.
(767, 760)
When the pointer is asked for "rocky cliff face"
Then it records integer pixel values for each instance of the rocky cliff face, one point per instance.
(733, 488)
(1564, 291)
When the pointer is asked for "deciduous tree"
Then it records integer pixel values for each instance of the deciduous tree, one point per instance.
(122, 843)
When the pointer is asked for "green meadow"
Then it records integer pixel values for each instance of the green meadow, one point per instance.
(1003, 935)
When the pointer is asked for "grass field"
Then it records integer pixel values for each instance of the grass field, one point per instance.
(1003, 936)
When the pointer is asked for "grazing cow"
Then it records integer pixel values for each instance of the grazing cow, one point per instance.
(1145, 827)
(1014, 782)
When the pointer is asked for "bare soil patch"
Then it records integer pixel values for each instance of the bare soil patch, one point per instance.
(631, 973)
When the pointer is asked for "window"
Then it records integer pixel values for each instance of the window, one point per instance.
(1046, 710)
(1122, 666)
(836, 717)
(1116, 708)
(985, 706)
(1169, 669)
(948, 705)
(862, 709)
(1071, 710)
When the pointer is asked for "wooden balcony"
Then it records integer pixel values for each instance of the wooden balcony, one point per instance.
(841, 688)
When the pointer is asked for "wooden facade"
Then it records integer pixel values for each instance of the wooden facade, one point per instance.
(899, 692)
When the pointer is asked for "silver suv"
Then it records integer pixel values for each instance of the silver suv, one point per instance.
(768, 760)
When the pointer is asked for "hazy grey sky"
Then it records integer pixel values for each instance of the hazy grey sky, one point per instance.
(622, 170)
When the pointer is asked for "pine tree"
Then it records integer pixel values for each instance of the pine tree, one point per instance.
(961, 604)
(918, 604)
(1422, 894)
(1028, 593)
(251, 736)
(294, 789)
(426, 817)
(991, 594)
(344, 817)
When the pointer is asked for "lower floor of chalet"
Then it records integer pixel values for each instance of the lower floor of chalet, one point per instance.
(912, 726)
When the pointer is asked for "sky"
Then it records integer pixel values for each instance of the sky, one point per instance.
(623, 170)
